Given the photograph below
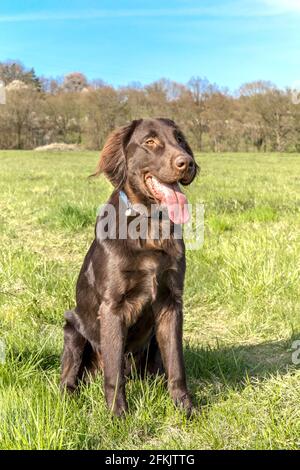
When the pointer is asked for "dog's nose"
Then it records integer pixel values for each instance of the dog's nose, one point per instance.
(184, 162)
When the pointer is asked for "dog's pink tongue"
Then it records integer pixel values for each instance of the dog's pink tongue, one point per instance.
(176, 203)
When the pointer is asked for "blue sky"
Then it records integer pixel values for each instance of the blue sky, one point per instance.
(230, 42)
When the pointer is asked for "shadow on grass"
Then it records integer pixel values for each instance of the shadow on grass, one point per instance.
(226, 364)
(232, 366)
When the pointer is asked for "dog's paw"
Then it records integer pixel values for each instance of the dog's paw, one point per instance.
(119, 412)
(119, 408)
(68, 388)
(185, 403)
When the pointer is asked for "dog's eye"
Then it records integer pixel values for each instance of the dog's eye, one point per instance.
(150, 142)
(179, 139)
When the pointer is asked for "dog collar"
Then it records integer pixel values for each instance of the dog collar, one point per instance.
(129, 209)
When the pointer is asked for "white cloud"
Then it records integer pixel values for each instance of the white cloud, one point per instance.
(230, 8)
(283, 6)
(98, 14)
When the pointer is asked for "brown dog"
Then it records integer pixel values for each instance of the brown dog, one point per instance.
(129, 291)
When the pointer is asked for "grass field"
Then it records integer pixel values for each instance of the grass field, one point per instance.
(242, 309)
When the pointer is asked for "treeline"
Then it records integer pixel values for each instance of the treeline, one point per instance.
(40, 111)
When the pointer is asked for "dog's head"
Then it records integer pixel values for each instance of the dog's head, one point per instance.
(148, 158)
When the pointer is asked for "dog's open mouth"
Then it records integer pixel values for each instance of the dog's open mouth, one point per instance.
(170, 196)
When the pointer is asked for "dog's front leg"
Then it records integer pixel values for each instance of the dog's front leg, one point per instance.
(169, 321)
(112, 343)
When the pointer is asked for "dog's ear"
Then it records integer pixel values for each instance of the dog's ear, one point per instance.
(113, 159)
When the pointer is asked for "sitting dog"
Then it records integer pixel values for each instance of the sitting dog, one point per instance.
(129, 291)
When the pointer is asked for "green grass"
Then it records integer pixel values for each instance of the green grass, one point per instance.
(242, 309)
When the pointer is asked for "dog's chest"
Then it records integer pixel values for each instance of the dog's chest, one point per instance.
(151, 273)
(144, 279)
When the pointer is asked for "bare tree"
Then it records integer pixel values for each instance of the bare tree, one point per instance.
(20, 117)
(74, 82)
(70, 109)
(14, 70)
